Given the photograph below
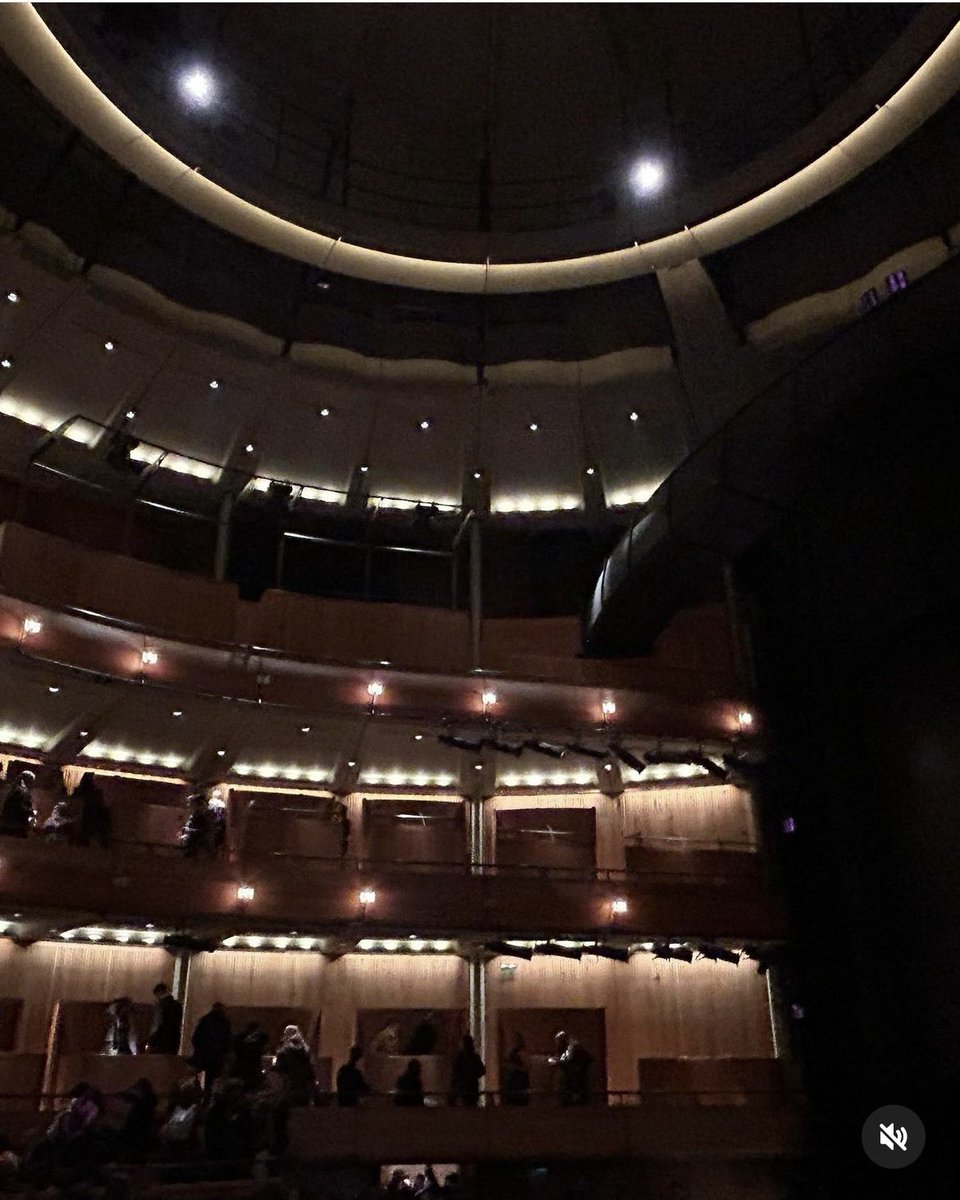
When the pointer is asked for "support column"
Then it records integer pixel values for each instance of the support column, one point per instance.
(222, 547)
(778, 1023)
(476, 591)
(478, 1000)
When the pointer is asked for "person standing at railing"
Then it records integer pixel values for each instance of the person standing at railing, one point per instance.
(96, 820)
(573, 1063)
(17, 815)
(211, 1041)
(120, 1036)
(167, 1022)
(352, 1085)
(63, 825)
(408, 1091)
(516, 1075)
(468, 1070)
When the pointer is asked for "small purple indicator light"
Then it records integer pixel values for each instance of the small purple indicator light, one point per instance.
(789, 825)
(896, 281)
(797, 1011)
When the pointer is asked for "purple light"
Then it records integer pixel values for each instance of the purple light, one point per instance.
(896, 281)
(797, 1011)
(868, 300)
(789, 825)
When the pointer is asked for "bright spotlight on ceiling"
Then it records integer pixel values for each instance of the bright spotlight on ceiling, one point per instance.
(649, 176)
(197, 85)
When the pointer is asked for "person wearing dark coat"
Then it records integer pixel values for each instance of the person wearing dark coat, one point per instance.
(292, 1062)
(248, 1048)
(63, 824)
(516, 1075)
(468, 1070)
(96, 819)
(198, 837)
(351, 1084)
(211, 1042)
(167, 1022)
(17, 814)
(408, 1092)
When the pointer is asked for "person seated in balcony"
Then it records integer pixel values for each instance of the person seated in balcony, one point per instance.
(424, 1037)
(449, 1187)
(63, 824)
(351, 1083)
(178, 1133)
(96, 820)
(408, 1090)
(468, 1070)
(211, 1041)
(248, 1048)
(136, 1133)
(17, 814)
(293, 1064)
(120, 1037)
(69, 1140)
(198, 837)
(516, 1075)
(167, 1023)
(572, 1061)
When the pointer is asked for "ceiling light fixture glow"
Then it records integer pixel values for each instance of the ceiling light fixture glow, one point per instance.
(13, 297)
(198, 86)
(649, 176)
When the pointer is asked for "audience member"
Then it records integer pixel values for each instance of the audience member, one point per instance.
(351, 1084)
(121, 1038)
(211, 1043)
(468, 1070)
(198, 836)
(178, 1132)
(516, 1075)
(167, 1024)
(96, 820)
(63, 824)
(136, 1134)
(248, 1048)
(228, 1129)
(573, 1062)
(408, 1092)
(292, 1062)
(17, 814)
(423, 1040)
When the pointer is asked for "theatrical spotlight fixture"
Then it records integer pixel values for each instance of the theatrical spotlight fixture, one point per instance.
(692, 758)
(375, 689)
(32, 625)
(629, 760)
(615, 953)
(717, 953)
(675, 950)
(367, 896)
(245, 892)
(458, 743)
(555, 951)
(550, 749)
(504, 948)
(586, 751)
(649, 176)
(197, 86)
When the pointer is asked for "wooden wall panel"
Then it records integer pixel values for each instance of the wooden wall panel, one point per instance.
(338, 990)
(653, 1008)
(701, 814)
(609, 834)
(47, 972)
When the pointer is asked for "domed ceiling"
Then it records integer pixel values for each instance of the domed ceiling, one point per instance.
(462, 130)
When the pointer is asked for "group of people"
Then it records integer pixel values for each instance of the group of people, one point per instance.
(78, 818)
(83, 818)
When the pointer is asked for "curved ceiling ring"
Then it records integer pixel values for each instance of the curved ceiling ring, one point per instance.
(38, 54)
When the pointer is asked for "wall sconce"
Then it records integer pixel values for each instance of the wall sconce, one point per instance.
(608, 708)
(245, 892)
(489, 699)
(375, 689)
(149, 658)
(745, 717)
(31, 626)
(619, 908)
(367, 896)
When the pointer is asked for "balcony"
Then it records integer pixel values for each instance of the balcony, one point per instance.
(432, 898)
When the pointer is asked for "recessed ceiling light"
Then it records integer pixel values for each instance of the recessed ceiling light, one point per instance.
(13, 297)
(324, 412)
(352, 762)
(425, 423)
(84, 733)
(109, 346)
(649, 176)
(130, 413)
(591, 470)
(198, 86)
(6, 363)
(418, 737)
(634, 416)
(478, 474)
(607, 766)
(214, 384)
(364, 469)
(249, 447)
(304, 728)
(53, 689)
(177, 712)
(533, 426)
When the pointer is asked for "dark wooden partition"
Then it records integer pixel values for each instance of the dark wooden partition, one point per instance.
(546, 837)
(432, 831)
